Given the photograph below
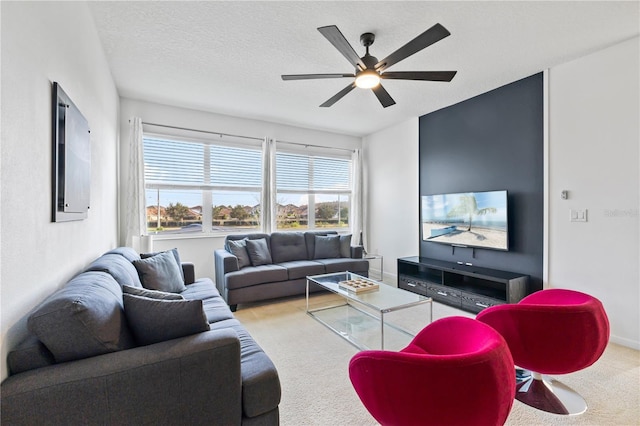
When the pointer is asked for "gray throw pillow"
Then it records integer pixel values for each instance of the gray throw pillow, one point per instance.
(152, 294)
(345, 245)
(160, 272)
(173, 251)
(327, 247)
(238, 248)
(156, 320)
(83, 319)
(259, 252)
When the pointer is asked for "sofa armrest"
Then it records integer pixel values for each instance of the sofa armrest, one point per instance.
(189, 270)
(224, 263)
(172, 382)
(357, 252)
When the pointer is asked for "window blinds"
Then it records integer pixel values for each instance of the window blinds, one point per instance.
(296, 172)
(200, 165)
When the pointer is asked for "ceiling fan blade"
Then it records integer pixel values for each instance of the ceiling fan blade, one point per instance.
(427, 38)
(420, 75)
(335, 37)
(314, 76)
(383, 96)
(335, 98)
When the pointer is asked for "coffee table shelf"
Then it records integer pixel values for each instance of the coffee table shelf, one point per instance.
(360, 312)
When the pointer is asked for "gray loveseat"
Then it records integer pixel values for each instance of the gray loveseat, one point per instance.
(84, 364)
(291, 257)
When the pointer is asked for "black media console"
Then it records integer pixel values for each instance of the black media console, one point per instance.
(470, 288)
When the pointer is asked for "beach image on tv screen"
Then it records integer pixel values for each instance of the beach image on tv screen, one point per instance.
(474, 219)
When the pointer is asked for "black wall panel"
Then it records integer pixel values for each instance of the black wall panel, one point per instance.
(493, 141)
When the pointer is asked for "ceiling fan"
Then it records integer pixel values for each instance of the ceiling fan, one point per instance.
(369, 71)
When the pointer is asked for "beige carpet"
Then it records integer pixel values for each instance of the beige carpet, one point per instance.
(312, 362)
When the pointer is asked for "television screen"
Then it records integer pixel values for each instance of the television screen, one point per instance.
(470, 219)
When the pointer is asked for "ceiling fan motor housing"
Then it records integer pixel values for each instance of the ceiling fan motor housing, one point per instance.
(367, 39)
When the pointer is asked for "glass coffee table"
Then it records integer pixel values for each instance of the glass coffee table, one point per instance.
(360, 316)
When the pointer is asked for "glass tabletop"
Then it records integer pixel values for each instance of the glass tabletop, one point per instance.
(384, 299)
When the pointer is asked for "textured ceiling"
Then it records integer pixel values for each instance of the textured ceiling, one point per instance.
(227, 57)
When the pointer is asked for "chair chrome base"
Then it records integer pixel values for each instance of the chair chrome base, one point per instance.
(547, 394)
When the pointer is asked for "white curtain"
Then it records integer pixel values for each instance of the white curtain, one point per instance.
(356, 217)
(134, 206)
(268, 202)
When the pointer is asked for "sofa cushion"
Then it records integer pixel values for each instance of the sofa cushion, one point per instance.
(215, 308)
(261, 390)
(302, 268)
(239, 249)
(255, 275)
(116, 265)
(326, 247)
(157, 320)
(358, 266)
(126, 252)
(345, 245)
(202, 288)
(173, 251)
(310, 239)
(259, 252)
(153, 294)
(84, 318)
(286, 246)
(160, 272)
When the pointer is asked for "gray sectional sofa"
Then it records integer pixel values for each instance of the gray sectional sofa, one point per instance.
(84, 362)
(244, 273)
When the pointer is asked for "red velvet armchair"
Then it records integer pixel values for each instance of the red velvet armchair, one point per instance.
(554, 331)
(456, 371)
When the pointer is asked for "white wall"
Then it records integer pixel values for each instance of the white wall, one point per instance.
(593, 150)
(199, 250)
(44, 42)
(391, 194)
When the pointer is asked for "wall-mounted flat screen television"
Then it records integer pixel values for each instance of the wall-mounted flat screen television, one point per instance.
(470, 219)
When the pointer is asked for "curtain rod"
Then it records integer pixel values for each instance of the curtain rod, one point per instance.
(240, 136)
(315, 146)
(202, 131)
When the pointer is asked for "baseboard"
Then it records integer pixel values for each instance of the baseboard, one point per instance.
(391, 279)
(633, 344)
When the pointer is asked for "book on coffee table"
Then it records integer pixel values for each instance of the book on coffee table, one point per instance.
(358, 285)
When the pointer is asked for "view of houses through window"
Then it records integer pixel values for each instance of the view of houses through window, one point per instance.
(195, 187)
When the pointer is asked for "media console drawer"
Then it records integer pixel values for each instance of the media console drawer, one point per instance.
(476, 303)
(412, 284)
(444, 294)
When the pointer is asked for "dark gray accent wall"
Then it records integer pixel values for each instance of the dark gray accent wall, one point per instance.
(493, 141)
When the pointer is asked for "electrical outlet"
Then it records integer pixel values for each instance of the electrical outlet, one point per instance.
(578, 215)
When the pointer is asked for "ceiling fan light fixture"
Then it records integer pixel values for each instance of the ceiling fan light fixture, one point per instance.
(367, 79)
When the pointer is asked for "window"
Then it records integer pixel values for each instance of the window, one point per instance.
(312, 191)
(196, 186)
(201, 186)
